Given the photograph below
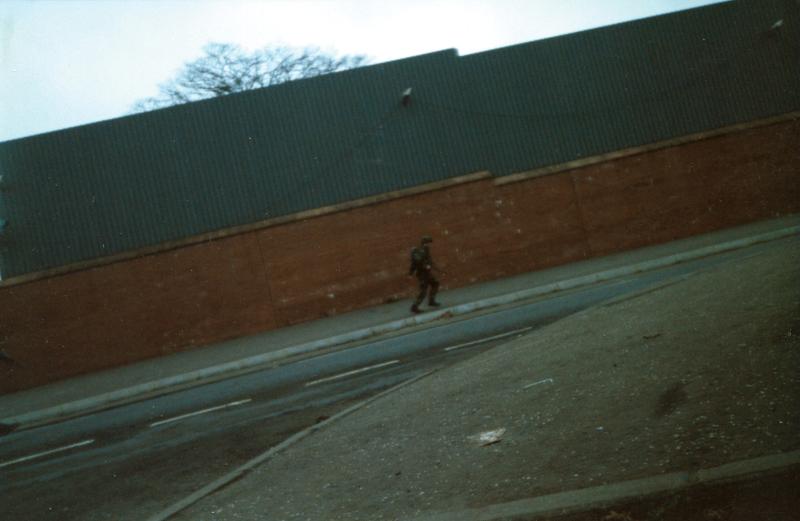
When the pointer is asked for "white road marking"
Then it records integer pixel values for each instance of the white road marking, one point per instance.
(196, 413)
(350, 373)
(46, 453)
(489, 339)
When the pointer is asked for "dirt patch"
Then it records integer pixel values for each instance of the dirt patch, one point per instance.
(670, 399)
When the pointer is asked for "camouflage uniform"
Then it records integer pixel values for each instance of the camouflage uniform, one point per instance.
(422, 265)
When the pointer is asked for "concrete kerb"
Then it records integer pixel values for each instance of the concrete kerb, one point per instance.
(201, 376)
(582, 500)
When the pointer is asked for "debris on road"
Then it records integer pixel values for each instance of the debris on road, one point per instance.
(489, 437)
(546, 380)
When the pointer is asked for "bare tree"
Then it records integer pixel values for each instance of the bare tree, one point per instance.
(226, 68)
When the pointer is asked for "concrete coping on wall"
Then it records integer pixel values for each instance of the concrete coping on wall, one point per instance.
(217, 372)
(643, 149)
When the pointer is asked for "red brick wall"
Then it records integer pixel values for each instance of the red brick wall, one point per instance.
(695, 188)
(118, 313)
(131, 310)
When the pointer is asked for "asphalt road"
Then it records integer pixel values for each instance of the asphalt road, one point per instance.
(134, 460)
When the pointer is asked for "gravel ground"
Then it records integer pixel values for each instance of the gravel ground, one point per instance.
(695, 374)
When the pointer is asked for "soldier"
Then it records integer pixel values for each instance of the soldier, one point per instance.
(422, 264)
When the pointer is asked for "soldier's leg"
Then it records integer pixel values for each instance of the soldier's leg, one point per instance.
(434, 283)
(423, 289)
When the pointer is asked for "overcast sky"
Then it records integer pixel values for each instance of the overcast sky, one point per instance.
(71, 62)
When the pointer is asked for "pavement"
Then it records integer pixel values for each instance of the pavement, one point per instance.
(680, 401)
(102, 390)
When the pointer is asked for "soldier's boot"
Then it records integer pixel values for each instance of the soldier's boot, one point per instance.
(415, 308)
